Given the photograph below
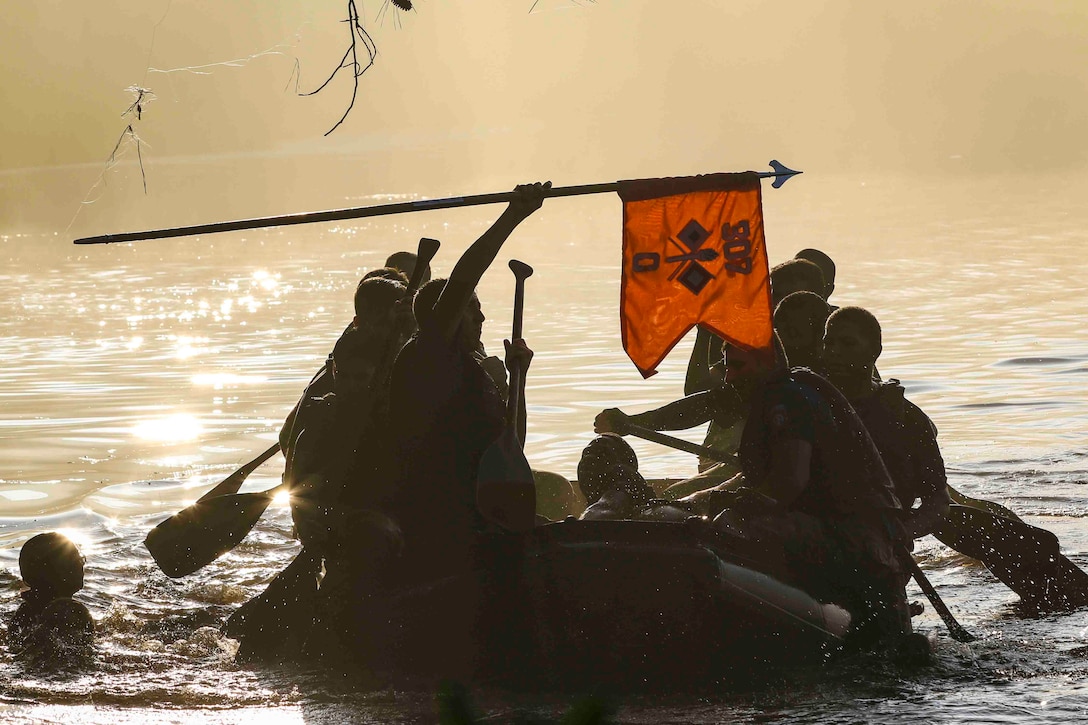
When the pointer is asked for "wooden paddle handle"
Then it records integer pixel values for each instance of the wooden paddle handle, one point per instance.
(521, 271)
(957, 630)
(678, 443)
(424, 254)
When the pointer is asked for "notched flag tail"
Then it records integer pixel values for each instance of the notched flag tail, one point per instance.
(694, 253)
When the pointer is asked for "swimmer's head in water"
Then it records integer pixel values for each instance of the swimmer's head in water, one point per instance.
(52, 563)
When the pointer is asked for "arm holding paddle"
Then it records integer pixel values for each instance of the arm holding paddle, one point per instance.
(505, 488)
(687, 412)
(519, 355)
(932, 482)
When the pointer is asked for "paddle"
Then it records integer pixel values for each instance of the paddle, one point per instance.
(205, 530)
(201, 533)
(1023, 557)
(955, 628)
(505, 491)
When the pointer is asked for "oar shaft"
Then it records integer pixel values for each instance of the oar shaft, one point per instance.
(234, 481)
(521, 272)
(957, 630)
(677, 443)
(333, 215)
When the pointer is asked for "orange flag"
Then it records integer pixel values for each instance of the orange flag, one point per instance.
(693, 253)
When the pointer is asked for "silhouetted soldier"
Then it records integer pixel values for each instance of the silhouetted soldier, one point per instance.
(817, 497)
(904, 435)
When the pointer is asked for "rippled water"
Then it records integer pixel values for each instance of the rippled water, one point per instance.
(136, 376)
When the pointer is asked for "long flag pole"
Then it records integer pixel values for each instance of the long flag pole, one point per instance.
(780, 174)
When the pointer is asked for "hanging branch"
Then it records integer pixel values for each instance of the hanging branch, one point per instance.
(358, 35)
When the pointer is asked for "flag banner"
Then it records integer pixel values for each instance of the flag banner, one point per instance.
(693, 254)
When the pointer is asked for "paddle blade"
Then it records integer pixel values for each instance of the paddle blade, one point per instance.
(199, 534)
(1023, 557)
(505, 492)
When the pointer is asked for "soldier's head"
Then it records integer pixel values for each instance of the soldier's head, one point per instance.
(469, 332)
(799, 321)
(406, 263)
(387, 273)
(608, 463)
(795, 275)
(852, 344)
(826, 265)
(52, 564)
(376, 300)
(744, 368)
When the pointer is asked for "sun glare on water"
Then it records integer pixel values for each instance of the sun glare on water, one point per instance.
(179, 427)
(78, 537)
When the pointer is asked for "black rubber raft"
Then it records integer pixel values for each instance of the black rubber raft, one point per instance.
(601, 603)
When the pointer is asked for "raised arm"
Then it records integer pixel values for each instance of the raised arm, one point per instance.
(466, 274)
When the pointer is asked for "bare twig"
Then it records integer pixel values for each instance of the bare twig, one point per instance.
(358, 35)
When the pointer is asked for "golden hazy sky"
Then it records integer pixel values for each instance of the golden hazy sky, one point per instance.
(474, 95)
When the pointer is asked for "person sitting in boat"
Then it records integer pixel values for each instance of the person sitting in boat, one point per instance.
(321, 383)
(818, 503)
(724, 405)
(795, 275)
(49, 628)
(902, 432)
(449, 410)
(799, 323)
(324, 468)
(339, 439)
